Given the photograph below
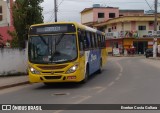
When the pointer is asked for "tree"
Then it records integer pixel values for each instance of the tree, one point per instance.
(26, 13)
(14, 41)
(1, 41)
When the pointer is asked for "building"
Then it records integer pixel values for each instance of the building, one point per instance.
(126, 30)
(130, 31)
(6, 21)
(96, 14)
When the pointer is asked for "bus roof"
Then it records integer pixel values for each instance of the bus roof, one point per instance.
(79, 25)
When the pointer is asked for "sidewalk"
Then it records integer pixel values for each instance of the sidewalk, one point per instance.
(11, 81)
(157, 58)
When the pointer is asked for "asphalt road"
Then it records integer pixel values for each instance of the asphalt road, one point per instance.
(124, 80)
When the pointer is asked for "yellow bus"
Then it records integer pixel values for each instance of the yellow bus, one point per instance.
(64, 52)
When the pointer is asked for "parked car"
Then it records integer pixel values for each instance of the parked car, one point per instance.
(149, 52)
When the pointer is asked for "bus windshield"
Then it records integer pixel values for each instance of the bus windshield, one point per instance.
(52, 48)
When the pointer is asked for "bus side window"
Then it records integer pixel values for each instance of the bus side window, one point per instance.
(86, 44)
(101, 37)
(93, 40)
(88, 39)
(104, 41)
(99, 41)
(81, 40)
(96, 40)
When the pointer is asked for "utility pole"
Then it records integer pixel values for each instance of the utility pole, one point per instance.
(155, 31)
(55, 10)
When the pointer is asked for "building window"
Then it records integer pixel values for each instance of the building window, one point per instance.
(0, 17)
(0, 9)
(0, 13)
(112, 15)
(141, 27)
(100, 15)
(109, 29)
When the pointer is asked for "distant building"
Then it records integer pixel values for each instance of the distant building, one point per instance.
(97, 14)
(6, 21)
(150, 12)
(127, 31)
(124, 29)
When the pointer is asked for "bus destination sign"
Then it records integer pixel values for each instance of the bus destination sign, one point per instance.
(50, 29)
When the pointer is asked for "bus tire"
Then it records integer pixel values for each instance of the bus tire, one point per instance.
(86, 76)
(100, 68)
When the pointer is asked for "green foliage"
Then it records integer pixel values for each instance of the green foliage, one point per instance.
(26, 13)
(14, 41)
(1, 41)
(1, 37)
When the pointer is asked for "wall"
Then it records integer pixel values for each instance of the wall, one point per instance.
(106, 11)
(87, 17)
(5, 35)
(4, 13)
(127, 26)
(13, 61)
(142, 24)
(6, 23)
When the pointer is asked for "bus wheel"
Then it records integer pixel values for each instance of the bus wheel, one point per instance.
(100, 67)
(86, 76)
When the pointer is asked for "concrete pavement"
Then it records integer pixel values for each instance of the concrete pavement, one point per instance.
(11, 81)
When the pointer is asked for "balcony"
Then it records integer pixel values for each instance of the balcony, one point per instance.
(149, 34)
(133, 34)
(112, 35)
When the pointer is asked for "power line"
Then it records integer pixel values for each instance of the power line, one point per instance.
(148, 4)
(53, 10)
(60, 3)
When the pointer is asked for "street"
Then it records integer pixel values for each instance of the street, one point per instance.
(124, 80)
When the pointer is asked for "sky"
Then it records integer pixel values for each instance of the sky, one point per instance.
(69, 10)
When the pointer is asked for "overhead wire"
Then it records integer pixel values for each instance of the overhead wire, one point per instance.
(148, 4)
(51, 17)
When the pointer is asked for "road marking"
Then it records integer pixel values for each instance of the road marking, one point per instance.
(101, 90)
(83, 99)
(110, 84)
(117, 78)
(121, 68)
(76, 96)
(77, 102)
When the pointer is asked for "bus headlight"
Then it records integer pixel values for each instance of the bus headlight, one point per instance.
(72, 69)
(34, 71)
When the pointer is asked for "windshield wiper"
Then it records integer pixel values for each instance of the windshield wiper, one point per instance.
(43, 40)
(59, 39)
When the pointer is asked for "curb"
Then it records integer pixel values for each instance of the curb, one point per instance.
(14, 85)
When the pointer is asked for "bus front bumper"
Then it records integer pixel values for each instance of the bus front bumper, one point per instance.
(72, 77)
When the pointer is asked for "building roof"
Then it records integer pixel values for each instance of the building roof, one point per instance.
(88, 9)
(128, 10)
(127, 19)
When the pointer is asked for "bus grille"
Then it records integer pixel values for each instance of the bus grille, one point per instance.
(51, 73)
(52, 77)
(52, 67)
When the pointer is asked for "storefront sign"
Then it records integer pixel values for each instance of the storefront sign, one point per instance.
(116, 51)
